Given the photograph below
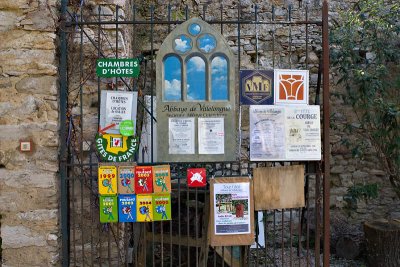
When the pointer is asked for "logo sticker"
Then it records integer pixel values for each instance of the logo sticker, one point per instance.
(256, 87)
(196, 177)
(115, 147)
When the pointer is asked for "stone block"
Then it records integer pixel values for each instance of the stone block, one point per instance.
(33, 256)
(20, 236)
(16, 4)
(28, 61)
(34, 20)
(8, 19)
(20, 39)
(28, 178)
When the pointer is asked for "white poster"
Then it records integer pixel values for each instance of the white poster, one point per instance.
(231, 208)
(267, 133)
(117, 106)
(181, 135)
(285, 133)
(303, 133)
(211, 135)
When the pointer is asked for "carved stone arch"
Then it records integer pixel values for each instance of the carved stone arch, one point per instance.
(196, 38)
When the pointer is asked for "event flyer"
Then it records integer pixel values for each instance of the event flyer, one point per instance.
(267, 133)
(143, 179)
(181, 135)
(162, 207)
(107, 180)
(126, 179)
(144, 208)
(211, 135)
(127, 208)
(231, 208)
(303, 133)
(161, 179)
(108, 209)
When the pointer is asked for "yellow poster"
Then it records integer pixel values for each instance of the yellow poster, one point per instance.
(144, 208)
(107, 180)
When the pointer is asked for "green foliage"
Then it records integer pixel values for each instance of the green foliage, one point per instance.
(360, 192)
(366, 53)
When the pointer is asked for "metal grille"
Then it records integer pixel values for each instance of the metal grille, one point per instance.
(289, 237)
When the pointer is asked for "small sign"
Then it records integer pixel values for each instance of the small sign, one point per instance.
(143, 179)
(127, 208)
(126, 179)
(126, 128)
(108, 209)
(196, 177)
(115, 147)
(161, 179)
(291, 87)
(144, 208)
(256, 87)
(25, 146)
(162, 207)
(117, 67)
(107, 180)
(116, 107)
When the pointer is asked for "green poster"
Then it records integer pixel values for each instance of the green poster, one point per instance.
(108, 209)
(162, 207)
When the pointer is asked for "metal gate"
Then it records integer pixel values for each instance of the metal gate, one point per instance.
(289, 237)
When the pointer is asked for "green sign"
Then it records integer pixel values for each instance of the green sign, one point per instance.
(126, 128)
(115, 67)
(115, 147)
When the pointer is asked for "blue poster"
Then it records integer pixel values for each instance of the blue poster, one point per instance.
(256, 87)
(127, 208)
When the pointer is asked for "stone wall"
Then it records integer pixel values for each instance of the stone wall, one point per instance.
(29, 111)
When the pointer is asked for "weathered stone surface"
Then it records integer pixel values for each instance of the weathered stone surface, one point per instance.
(20, 39)
(20, 236)
(38, 85)
(34, 20)
(38, 215)
(19, 62)
(28, 178)
(8, 19)
(16, 4)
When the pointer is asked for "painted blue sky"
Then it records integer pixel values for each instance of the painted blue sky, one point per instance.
(194, 29)
(183, 44)
(196, 79)
(173, 79)
(219, 79)
(206, 43)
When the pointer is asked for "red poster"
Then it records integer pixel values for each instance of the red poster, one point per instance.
(143, 179)
(196, 177)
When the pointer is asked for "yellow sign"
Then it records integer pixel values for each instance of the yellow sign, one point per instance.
(107, 180)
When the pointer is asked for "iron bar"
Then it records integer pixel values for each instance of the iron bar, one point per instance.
(326, 129)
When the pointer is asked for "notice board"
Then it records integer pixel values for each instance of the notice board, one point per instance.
(231, 212)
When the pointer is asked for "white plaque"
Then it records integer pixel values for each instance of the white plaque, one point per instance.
(303, 133)
(211, 135)
(181, 135)
(267, 133)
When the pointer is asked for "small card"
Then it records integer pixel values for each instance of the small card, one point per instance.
(162, 207)
(126, 179)
(143, 179)
(108, 209)
(144, 208)
(127, 208)
(196, 177)
(161, 179)
(107, 180)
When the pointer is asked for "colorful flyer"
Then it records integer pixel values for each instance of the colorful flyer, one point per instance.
(231, 208)
(143, 179)
(196, 177)
(126, 179)
(162, 207)
(107, 180)
(127, 208)
(161, 179)
(144, 208)
(108, 209)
